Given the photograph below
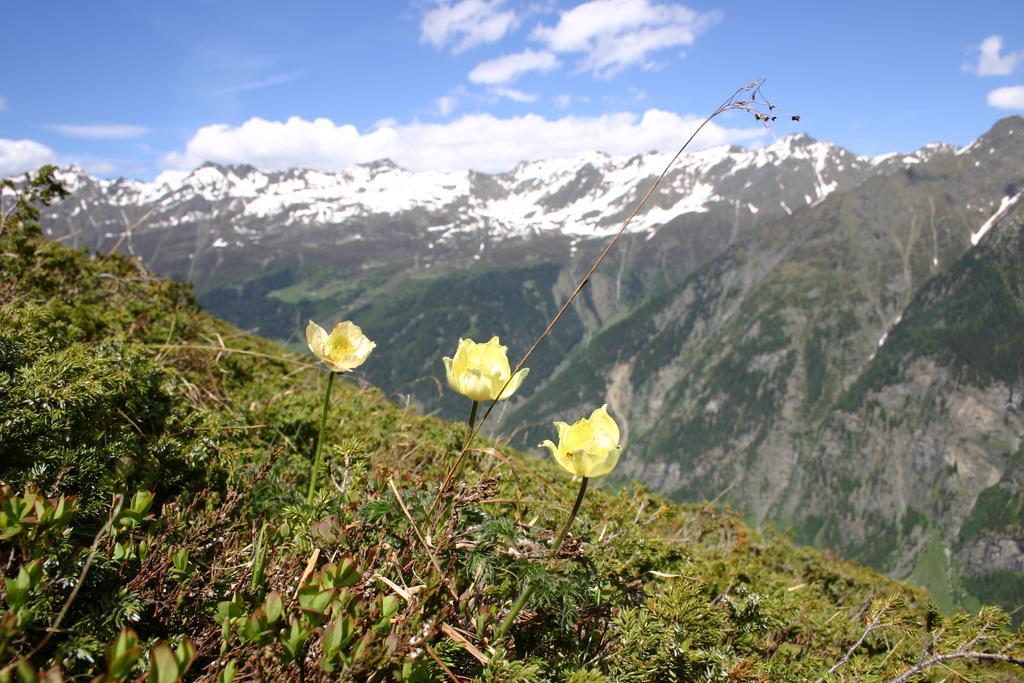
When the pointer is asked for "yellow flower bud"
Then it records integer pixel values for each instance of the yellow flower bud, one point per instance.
(343, 350)
(589, 447)
(479, 371)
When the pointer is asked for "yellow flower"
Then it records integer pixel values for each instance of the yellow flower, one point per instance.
(479, 371)
(588, 448)
(343, 350)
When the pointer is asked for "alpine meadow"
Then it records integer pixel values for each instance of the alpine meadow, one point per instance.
(516, 384)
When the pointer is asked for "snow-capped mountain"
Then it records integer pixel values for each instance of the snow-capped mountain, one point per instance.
(580, 197)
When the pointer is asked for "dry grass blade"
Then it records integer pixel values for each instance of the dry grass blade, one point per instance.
(224, 349)
(462, 640)
(437, 660)
(405, 593)
(736, 101)
(310, 566)
(422, 540)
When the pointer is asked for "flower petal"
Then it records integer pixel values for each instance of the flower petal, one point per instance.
(316, 338)
(450, 373)
(462, 355)
(475, 385)
(561, 457)
(343, 350)
(578, 437)
(480, 371)
(605, 465)
(605, 431)
(493, 359)
(514, 383)
(363, 349)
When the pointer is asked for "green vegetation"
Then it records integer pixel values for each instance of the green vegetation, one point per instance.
(996, 588)
(153, 522)
(997, 509)
(969, 319)
(932, 572)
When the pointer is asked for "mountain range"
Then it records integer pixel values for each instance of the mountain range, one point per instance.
(829, 342)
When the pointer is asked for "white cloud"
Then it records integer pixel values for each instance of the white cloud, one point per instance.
(514, 95)
(101, 168)
(562, 101)
(445, 104)
(991, 61)
(479, 141)
(262, 82)
(466, 23)
(101, 131)
(18, 156)
(1010, 97)
(508, 68)
(3, 104)
(616, 34)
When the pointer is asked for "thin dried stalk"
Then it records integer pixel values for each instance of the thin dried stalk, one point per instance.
(743, 99)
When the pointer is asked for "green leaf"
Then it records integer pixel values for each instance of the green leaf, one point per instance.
(292, 639)
(185, 654)
(273, 606)
(182, 568)
(163, 666)
(227, 610)
(122, 654)
(141, 502)
(255, 627)
(120, 551)
(227, 674)
(314, 604)
(389, 605)
(348, 574)
(337, 635)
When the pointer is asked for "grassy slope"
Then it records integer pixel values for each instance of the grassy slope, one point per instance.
(108, 384)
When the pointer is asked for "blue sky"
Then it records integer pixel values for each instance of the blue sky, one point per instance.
(134, 88)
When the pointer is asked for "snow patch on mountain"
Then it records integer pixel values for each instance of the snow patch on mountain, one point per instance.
(1004, 206)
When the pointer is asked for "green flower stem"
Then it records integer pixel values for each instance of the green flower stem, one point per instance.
(469, 437)
(527, 590)
(572, 515)
(471, 422)
(315, 472)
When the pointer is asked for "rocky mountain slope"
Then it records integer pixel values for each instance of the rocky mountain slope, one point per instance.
(269, 250)
(803, 376)
(748, 329)
(216, 224)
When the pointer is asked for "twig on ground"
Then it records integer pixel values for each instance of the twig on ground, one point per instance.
(959, 654)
